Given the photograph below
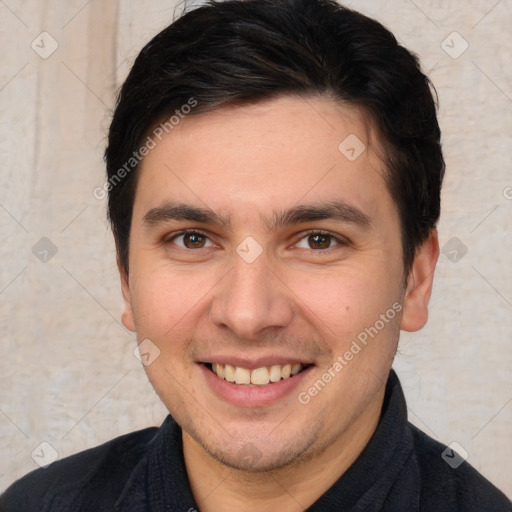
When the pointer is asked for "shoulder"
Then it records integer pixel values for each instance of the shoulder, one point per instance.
(450, 483)
(80, 477)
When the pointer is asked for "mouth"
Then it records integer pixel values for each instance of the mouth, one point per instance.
(257, 377)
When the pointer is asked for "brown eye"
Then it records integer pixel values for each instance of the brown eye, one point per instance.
(319, 241)
(191, 240)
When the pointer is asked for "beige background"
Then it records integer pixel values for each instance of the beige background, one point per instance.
(68, 375)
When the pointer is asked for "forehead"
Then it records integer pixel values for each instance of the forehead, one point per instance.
(261, 158)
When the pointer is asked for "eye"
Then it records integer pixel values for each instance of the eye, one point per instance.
(319, 241)
(191, 240)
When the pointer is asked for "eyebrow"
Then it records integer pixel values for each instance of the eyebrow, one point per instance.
(334, 210)
(180, 211)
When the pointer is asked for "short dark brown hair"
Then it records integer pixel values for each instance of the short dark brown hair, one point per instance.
(245, 51)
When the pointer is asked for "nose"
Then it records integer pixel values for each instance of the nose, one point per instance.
(251, 300)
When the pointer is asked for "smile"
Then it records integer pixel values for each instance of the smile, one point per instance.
(258, 377)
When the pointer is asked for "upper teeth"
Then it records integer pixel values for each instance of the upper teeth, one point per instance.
(259, 376)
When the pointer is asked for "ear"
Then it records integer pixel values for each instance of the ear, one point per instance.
(419, 284)
(127, 315)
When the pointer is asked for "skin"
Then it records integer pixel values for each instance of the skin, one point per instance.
(196, 298)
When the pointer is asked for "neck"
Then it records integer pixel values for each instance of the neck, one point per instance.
(293, 488)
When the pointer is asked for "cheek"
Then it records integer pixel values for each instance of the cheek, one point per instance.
(343, 299)
(345, 309)
(163, 301)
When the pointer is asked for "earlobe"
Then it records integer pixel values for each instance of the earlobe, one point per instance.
(127, 314)
(419, 284)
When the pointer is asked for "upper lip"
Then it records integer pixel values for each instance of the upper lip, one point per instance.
(251, 363)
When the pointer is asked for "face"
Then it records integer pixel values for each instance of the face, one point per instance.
(262, 252)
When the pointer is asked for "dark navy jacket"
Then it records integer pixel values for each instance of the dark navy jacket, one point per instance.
(401, 469)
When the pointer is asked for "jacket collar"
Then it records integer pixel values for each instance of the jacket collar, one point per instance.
(366, 485)
(159, 481)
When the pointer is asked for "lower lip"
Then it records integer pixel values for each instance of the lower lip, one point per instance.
(245, 396)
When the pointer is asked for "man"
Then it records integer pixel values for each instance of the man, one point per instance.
(274, 174)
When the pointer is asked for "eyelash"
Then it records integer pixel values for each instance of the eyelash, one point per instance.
(186, 232)
(339, 241)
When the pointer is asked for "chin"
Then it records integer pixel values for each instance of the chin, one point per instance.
(250, 459)
(263, 453)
